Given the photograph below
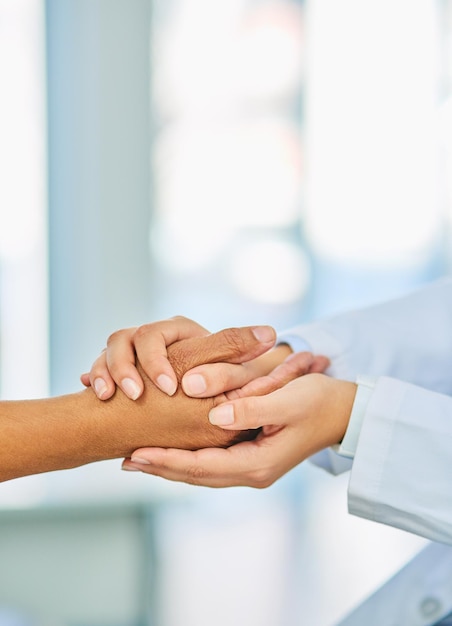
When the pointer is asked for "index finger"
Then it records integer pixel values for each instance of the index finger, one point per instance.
(257, 463)
(231, 345)
(151, 342)
(209, 467)
(295, 365)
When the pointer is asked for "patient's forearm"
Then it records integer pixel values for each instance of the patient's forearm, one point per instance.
(50, 434)
(69, 431)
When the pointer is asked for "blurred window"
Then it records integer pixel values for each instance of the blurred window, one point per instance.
(23, 253)
(228, 159)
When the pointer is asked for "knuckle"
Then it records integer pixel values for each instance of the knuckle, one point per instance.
(219, 378)
(114, 337)
(119, 335)
(261, 478)
(141, 331)
(235, 340)
(117, 373)
(293, 370)
(196, 475)
(99, 363)
(179, 318)
(247, 412)
(296, 363)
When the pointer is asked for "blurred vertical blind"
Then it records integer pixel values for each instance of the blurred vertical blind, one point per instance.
(99, 177)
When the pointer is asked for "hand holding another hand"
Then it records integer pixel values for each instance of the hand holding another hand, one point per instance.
(304, 416)
(295, 410)
(249, 357)
(148, 344)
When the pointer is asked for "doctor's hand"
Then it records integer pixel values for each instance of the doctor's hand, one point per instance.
(149, 345)
(252, 358)
(296, 421)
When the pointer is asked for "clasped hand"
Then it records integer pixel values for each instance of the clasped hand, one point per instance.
(297, 409)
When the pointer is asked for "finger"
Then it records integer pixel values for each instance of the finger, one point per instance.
(210, 380)
(232, 345)
(295, 365)
(196, 468)
(100, 379)
(278, 407)
(84, 378)
(319, 365)
(256, 463)
(210, 467)
(120, 361)
(151, 342)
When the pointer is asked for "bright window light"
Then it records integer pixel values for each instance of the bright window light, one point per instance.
(214, 180)
(270, 52)
(23, 269)
(372, 98)
(269, 271)
(228, 152)
(445, 133)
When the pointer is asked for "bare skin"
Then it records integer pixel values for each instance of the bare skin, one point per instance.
(297, 415)
(69, 431)
(149, 344)
(297, 420)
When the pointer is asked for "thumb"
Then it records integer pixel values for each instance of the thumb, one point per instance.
(246, 413)
(231, 345)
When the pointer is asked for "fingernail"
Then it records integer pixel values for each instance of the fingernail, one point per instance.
(222, 415)
(264, 334)
(100, 387)
(130, 388)
(166, 384)
(194, 384)
(140, 460)
(129, 468)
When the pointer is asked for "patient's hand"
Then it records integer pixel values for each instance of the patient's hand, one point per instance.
(168, 422)
(72, 430)
(148, 344)
(179, 421)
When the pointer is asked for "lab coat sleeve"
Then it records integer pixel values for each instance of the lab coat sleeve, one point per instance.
(401, 473)
(408, 338)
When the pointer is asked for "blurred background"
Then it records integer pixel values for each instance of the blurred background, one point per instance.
(237, 162)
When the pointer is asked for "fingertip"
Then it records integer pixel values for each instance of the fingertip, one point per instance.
(194, 385)
(222, 415)
(127, 466)
(148, 456)
(307, 357)
(131, 388)
(101, 389)
(264, 334)
(84, 379)
(140, 460)
(166, 384)
(319, 365)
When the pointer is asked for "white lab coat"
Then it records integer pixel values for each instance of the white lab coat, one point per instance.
(401, 473)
